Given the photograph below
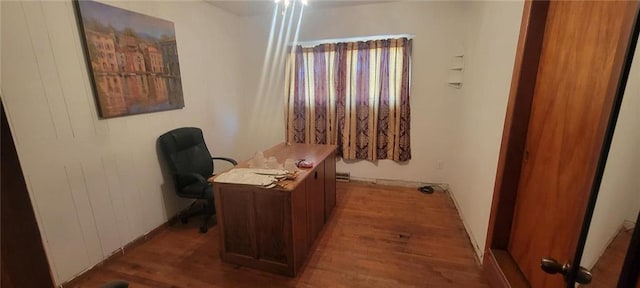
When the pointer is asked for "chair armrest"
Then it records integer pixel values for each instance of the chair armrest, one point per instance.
(232, 161)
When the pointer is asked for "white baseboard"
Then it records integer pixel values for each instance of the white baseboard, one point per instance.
(400, 183)
(611, 238)
(479, 251)
(628, 224)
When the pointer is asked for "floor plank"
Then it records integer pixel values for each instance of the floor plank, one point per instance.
(607, 269)
(378, 236)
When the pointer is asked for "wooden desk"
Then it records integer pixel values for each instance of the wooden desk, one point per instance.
(274, 229)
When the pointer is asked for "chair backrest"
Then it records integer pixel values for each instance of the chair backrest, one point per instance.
(185, 151)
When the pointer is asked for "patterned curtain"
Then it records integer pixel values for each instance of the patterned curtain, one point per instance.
(354, 95)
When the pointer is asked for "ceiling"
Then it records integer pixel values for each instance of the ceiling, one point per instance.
(259, 7)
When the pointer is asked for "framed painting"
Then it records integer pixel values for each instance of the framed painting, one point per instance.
(132, 58)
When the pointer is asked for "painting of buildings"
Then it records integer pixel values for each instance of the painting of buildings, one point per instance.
(133, 60)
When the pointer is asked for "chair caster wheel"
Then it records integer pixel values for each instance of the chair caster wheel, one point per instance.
(204, 229)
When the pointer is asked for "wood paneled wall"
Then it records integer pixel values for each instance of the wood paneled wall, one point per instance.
(97, 184)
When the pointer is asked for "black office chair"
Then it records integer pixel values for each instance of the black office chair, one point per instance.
(190, 164)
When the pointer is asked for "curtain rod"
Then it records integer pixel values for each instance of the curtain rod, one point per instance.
(313, 43)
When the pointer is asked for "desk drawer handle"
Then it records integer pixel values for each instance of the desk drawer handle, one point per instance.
(315, 175)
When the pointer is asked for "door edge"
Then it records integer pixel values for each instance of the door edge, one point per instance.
(516, 123)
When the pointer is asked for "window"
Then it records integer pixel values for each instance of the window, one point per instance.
(354, 95)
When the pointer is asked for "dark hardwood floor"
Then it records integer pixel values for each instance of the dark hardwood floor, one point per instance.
(378, 236)
(607, 270)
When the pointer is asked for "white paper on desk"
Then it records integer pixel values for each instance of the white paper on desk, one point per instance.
(261, 171)
(247, 176)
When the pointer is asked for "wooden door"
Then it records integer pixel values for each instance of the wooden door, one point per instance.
(631, 268)
(577, 67)
(273, 226)
(570, 109)
(24, 262)
(329, 185)
(315, 202)
(238, 218)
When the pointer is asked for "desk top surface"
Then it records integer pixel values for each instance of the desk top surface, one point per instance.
(310, 152)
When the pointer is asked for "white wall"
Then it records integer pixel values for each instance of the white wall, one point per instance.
(1, 53)
(101, 185)
(632, 95)
(477, 121)
(263, 114)
(438, 29)
(619, 191)
(96, 184)
(438, 33)
(632, 215)
(461, 128)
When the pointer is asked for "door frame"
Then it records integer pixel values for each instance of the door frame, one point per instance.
(23, 259)
(631, 267)
(620, 88)
(500, 269)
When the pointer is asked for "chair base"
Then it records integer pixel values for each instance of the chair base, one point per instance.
(205, 210)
